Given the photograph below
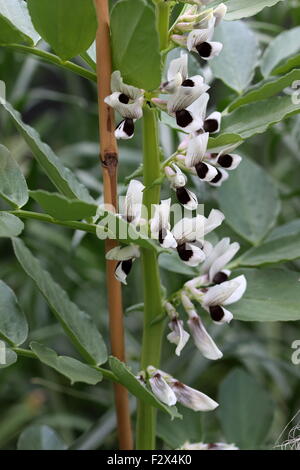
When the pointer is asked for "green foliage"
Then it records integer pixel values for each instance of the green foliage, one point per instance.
(282, 54)
(40, 437)
(69, 26)
(77, 324)
(135, 45)
(238, 9)
(245, 411)
(10, 225)
(15, 23)
(13, 324)
(71, 368)
(13, 187)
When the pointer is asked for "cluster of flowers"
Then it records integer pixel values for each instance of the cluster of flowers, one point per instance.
(187, 103)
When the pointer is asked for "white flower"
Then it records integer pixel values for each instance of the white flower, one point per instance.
(192, 398)
(160, 225)
(188, 92)
(196, 149)
(132, 210)
(178, 181)
(202, 339)
(226, 293)
(128, 101)
(219, 256)
(160, 388)
(199, 40)
(227, 160)
(125, 257)
(177, 73)
(178, 334)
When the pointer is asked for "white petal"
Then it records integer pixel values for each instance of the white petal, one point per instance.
(216, 48)
(175, 176)
(205, 171)
(117, 85)
(184, 229)
(162, 390)
(180, 66)
(178, 335)
(123, 253)
(131, 110)
(122, 270)
(186, 95)
(169, 241)
(218, 294)
(229, 161)
(220, 178)
(198, 36)
(227, 317)
(213, 221)
(161, 216)
(187, 198)
(203, 340)
(212, 123)
(125, 129)
(133, 201)
(196, 149)
(219, 13)
(223, 259)
(239, 292)
(192, 398)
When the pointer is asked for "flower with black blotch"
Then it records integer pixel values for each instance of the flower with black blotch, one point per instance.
(216, 260)
(178, 182)
(189, 234)
(215, 298)
(132, 210)
(160, 225)
(170, 390)
(125, 257)
(128, 101)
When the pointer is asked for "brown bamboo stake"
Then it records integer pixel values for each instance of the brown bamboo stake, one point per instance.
(109, 160)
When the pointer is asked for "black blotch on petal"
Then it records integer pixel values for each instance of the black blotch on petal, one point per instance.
(162, 235)
(216, 312)
(211, 125)
(182, 195)
(218, 177)
(220, 277)
(201, 169)
(129, 127)
(188, 83)
(183, 118)
(123, 98)
(184, 253)
(126, 266)
(225, 161)
(204, 49)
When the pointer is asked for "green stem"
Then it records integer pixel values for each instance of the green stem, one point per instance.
(54, 59)
(162, 18)
(152, 332)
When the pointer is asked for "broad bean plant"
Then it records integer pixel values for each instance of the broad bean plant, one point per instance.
(188, 233)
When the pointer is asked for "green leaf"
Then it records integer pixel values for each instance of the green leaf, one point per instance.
(64, 180)
(274, 251)
(13, 324)
(250, 201)
(171, 262)
(271, 295)
(126, 378)
(246, 410)
(236, 65)
(15, 23)
(10, 356)
(69, 26)
(40, 437)
(77, 324)
(284, 47)
(238, 9)
(135, 45)
(62, 208)
(71, 368)
(13, 187)
(255, 118)
(10, 225)
(176, 434)
(266, 89)
(290, 228)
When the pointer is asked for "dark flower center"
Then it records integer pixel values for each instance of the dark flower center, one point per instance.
(216, 312)
(211, 125)
(126, 266)
(184, 253)
(123, 98)
(129, 127)
(188, 83)
(201, 169)
(217, 177)
(183, 118)
(225, 161)
(204, 49)
(182, 195)
(220, 277)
